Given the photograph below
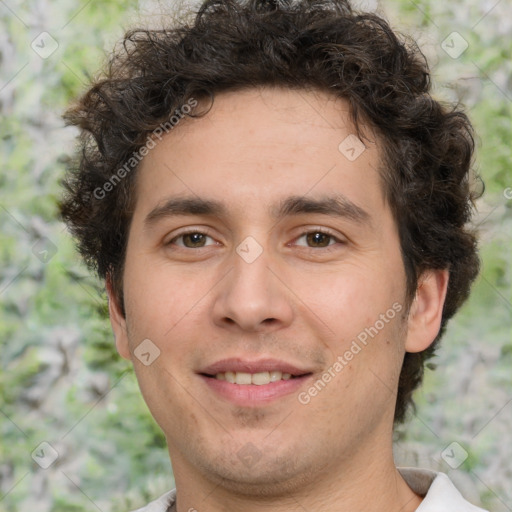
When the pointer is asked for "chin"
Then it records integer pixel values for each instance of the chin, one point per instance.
(269, 477)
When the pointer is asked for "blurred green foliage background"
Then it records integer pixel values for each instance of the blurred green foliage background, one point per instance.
(61, 380)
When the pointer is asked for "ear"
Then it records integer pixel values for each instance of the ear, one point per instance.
(426, 310)
(117, 321)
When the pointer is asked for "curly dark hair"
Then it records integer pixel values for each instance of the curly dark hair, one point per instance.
(305, 44)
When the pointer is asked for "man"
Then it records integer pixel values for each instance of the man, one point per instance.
(278, 208)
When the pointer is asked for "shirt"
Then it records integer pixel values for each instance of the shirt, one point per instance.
(438, 492)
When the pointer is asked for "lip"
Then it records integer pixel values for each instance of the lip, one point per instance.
(244, 365)
(250, 395)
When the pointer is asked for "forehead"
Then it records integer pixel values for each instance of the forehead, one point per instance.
(258, 147)
(274, 116)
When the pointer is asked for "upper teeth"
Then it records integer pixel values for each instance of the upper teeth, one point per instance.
(259, 379)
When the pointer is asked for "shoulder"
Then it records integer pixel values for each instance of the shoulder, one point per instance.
(438, 491)
(161, 504)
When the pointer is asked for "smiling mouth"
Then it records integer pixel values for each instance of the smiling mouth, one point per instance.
(256, 379)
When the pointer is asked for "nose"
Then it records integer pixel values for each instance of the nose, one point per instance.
(253, 296)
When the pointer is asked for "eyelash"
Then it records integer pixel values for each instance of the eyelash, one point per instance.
(189, 232)
(304, 233)
(323, 231)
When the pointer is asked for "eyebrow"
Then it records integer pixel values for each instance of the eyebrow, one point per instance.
(185, 206)
(335, 206)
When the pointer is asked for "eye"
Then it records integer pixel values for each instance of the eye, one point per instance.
(318, 238)
(190, 240)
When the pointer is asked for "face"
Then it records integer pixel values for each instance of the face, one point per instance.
(263, 265)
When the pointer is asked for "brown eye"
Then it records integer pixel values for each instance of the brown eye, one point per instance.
(190, 240)
(318, 239)
(195, 239)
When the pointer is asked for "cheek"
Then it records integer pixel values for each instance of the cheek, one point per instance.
(361, 315)
(366, 366)
(349, 299)
(165, 396)
(158, 297)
